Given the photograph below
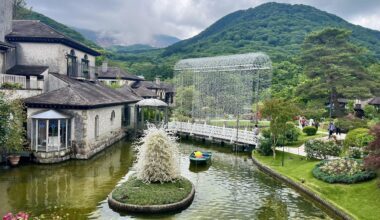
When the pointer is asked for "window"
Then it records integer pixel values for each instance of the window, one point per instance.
(85, 65)
(112, 115)
(96, 126)
(72, 69)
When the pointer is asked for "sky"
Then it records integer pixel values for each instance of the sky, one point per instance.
(137, 21)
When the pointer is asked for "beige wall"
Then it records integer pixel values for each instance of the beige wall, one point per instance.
(12, 94)
(106, 126)
(45, 54)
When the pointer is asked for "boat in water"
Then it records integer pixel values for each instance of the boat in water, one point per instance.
(200, 158)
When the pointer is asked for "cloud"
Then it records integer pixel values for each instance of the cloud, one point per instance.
(132, 21)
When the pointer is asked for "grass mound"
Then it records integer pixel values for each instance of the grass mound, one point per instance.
(135, 192)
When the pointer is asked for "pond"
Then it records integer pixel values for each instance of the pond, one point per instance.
(230, 188)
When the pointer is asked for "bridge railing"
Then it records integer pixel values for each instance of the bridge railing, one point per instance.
(210, 131)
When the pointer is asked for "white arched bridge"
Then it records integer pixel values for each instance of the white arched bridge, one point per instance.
(228, 135)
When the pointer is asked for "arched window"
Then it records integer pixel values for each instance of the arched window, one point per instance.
(72, 68)
(96, 126)
(112, 115)
(85, 65)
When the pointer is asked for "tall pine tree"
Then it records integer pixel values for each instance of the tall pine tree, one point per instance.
(332, 65)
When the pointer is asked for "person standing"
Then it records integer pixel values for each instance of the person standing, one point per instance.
(256, 130)
(331, 129)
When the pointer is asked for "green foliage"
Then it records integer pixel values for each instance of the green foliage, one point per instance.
(265, 146)
(319, 149)
(358, 137)
(347, 124)
(309, 130)
(331, 63)
(280, 112)
(8, 85)
(371, 112)
(292, 132)
(342, 171)
(4, 120)
(16, 136)
(137, 192)
(12, 131)
(355, 152)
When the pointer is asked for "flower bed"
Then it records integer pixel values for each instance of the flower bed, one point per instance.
(342, 171)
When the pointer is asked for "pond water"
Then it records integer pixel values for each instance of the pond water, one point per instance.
(231, 188)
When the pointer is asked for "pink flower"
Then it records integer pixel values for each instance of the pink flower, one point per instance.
(22, 216)
(9, 216)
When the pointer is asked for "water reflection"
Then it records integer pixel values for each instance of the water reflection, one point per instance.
(231, 188)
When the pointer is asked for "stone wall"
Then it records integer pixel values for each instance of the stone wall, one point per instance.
(12, 94)
(52, 55)
(6, 13)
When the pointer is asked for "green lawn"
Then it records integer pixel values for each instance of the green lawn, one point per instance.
(136, 192)
(303, 138)
(360, 200)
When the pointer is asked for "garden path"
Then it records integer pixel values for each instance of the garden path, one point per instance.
(301, 150)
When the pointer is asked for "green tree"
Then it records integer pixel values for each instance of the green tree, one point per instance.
(333, 67)
(4, 120)
(279, 111)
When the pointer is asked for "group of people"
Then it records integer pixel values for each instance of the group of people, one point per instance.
(303, 122)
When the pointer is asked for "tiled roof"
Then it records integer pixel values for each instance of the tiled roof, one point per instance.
(24, 70)
(153, 85)
(375, 101)
(114, 73)
(36, 31)
(81, 94)
(144, 92)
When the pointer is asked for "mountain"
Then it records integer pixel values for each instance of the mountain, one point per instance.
(162, 40)
(134, 48)
(275, 28)
(107, 40)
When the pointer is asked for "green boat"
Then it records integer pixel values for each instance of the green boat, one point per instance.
(205, 159)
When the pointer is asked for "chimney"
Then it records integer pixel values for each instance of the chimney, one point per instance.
(104, 66)
(6, 15)
(158, 81)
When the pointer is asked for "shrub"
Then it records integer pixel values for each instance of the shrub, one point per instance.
(266, 133)
(318, 149)
(347, 124)
(309, 130)
(292, 132)
(355, 152)
(265, 147)
(8, 85)
(358, 137)
(342, 171)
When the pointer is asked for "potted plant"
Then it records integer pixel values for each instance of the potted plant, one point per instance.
(16, 135)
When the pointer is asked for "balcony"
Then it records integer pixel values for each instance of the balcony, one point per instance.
(12, 81)
(82, 72)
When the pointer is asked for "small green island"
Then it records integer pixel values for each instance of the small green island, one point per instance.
(157, 186)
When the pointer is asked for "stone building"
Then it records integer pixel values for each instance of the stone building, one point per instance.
(115, 76)
(70, 113)
(162, 91)
(77, 120)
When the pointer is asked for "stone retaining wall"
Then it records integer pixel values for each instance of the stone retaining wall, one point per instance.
(332, 209)
(152, 209)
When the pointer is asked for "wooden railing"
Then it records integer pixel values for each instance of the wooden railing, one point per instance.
(209, 131)
(13, 79)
